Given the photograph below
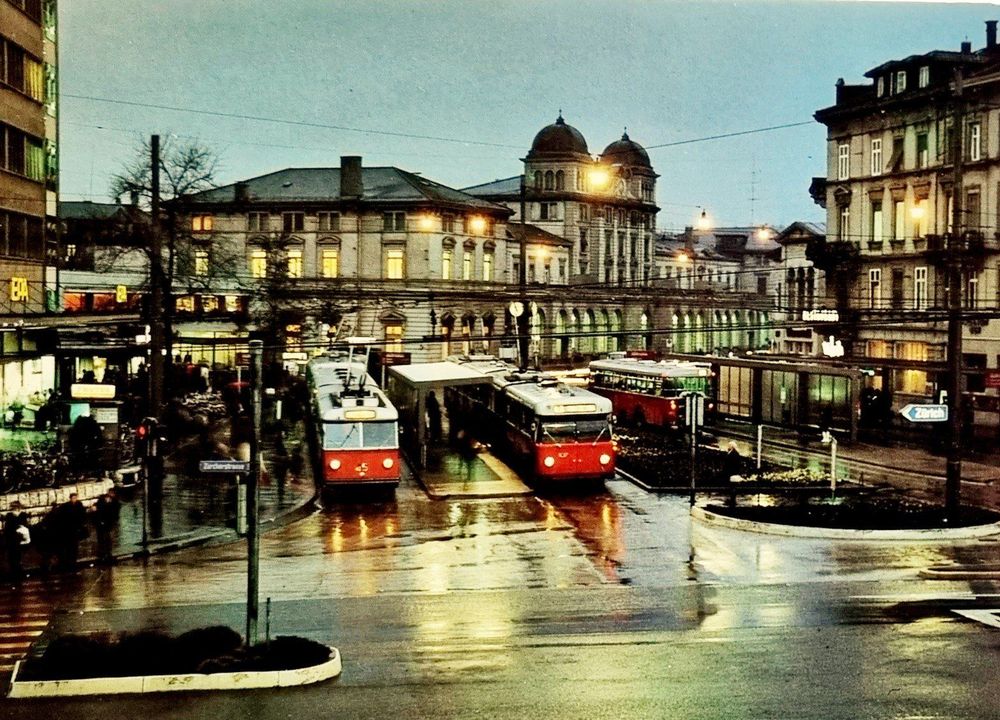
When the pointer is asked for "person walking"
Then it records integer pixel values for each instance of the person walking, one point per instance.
(105, 521)
(12, 544)
(70, 528)
(434, 416)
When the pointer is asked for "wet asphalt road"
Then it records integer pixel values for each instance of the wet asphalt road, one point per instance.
(608, 605)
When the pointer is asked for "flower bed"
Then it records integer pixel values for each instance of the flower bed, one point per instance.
(205, 650)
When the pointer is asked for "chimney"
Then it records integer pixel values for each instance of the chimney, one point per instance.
(351, 184)
(991, 34)
(966, 47)
(133, 196)
(241, 192)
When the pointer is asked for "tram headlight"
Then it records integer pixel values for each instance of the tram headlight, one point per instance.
(605, 458)
(549, 461)
(335, 464)
(387, 463)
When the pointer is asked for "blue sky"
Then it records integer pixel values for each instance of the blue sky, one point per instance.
(490, 73)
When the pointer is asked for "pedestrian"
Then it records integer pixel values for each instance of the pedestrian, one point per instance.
(468, 448)
(12, 544)
(732, 470)
(70, 529)
(105, 521)
(433, 416)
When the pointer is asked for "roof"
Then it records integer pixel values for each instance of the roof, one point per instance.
(437, 373)
(380, 184)
(558, 139)
(536, 235)
(934, 55)
(800, 229)
(505, 186)
(87, 210)
(653, 368)
(626, 152)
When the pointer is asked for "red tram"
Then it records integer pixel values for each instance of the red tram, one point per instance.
(355, 427)
(553, 431)
(646, 392)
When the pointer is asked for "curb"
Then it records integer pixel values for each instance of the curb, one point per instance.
(173, 683)
(958, 574)
(967, 533)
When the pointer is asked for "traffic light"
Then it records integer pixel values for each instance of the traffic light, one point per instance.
(147, 433)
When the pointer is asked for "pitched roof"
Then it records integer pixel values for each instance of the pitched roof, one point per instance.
(536, 235)
(505, 186)
(381, 184)
(803, 228)
(87, 210)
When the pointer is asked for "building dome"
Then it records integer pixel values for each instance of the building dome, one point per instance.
(626, 152)
(558, 139)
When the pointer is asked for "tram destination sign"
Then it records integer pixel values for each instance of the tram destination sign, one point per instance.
(925, 413)
(223, 466)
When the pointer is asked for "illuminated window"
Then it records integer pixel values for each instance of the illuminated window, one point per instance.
(394, 338)
(488, 267)
(209, 303)
(294, 263)
(467, 265)
(185, 303)
(446, 260)
(233, 303)
(898, 220)
(877, 221)
(330, 262)
(201, 262)
(394, 264)
(920, 218)
(201, 223)
(258, 264)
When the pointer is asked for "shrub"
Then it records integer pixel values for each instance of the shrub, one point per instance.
(68, 656)
(289, 652)
(195, 646)
(150, 650)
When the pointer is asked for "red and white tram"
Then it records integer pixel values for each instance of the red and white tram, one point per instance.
(551, 430)
(355, 427)
(648, 392)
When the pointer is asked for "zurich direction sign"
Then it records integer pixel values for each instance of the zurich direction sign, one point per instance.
(925, 413)
(223, 466)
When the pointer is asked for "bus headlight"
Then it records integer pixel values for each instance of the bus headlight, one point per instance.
(387, 463)
(605, 458)
(335, 464)
(549, 461)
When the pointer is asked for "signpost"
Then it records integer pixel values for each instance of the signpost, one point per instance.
(694, 415)
(224, 466)
(925, 413)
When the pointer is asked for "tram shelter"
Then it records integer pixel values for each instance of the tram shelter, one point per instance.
(408, 388)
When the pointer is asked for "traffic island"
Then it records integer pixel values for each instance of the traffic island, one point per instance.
(212, 658)
(860, 517)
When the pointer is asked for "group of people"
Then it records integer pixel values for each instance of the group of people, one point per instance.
(59, 533)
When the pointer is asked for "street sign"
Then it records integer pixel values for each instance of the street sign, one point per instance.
(993, 378)
(694, 409)
(243, 359)
(224, 466)
(925, 413)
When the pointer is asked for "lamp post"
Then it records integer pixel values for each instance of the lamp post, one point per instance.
(523, 320)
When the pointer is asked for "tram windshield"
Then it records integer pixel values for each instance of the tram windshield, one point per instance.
(347, 436)
(582, 430)
(380, 434)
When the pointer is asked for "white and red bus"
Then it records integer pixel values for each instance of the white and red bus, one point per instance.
(649, 392)
(355, 427)
(551, 430)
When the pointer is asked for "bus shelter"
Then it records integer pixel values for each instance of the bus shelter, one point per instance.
(408, 387)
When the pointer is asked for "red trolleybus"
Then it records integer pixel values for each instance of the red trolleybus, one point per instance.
(646, 392)
(355, 427)
(552, 431)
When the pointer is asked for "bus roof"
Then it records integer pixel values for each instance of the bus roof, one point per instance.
(549, 397)
(654, 368)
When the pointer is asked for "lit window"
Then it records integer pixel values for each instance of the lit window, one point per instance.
(925, 76)
(877, 221)
(330, 262)
(488, 267)
(201, 262)
(209, 303)
(467, 265)
(258, 264)
(294, 263)
(876, 156)
(446, 260)
(394, 264)
(394, 338)
(185, 303)
(201, 223)
(920, 218)
(898, 220)
(843, 161)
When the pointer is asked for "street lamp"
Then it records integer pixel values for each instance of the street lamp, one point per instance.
(704, 223)
(599, 177)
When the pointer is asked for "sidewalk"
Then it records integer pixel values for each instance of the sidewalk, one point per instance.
(909, 468)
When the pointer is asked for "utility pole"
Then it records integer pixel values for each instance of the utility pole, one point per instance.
(253, 493)
(956, 252)
(523, 320)
(157, 340)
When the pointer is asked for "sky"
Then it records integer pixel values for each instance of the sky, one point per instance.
(476, 80)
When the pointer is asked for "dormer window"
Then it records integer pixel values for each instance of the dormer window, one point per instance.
(880, 87)
(924, 78)
(900, 80)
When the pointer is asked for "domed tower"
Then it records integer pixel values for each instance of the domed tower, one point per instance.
(629, 223)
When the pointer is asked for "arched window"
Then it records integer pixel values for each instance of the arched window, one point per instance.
(602, 331)
(562, 342)
(686, 339)
(538, 179)
(586, 328)
(615, 330)
(447, 331)
(550, 180)
(574, 328)
(560, 180)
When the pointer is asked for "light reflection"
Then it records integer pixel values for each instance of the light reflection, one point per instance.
(363, 530)
(390, 527)
(338, 539)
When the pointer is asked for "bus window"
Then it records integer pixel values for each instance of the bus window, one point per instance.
(379, 434)
(337, 436)
(558, 432)
(574, 431)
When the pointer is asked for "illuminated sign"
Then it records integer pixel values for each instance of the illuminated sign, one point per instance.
(92, 391)
(18, 289)
(574, 408)
(359, 414)
(833, 347)
(121, 293)
(820, 316)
